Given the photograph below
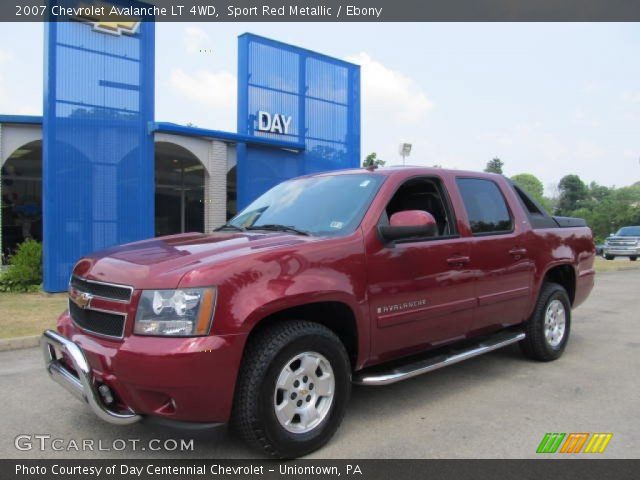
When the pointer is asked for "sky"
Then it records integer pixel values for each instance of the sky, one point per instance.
(547, 99)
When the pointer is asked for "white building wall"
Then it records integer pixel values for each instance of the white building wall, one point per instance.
(215, 186)
(232, 157)
(15, 136)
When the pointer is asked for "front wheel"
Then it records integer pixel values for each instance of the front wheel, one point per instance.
(547, 331)
(293, 389)
(609, 257)
(633, 259)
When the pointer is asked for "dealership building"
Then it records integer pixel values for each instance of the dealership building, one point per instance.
(98, 169)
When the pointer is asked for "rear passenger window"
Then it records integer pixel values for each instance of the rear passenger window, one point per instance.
(526, 201)
(486, 207)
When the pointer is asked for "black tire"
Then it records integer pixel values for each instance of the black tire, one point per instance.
(609, 257)
(536, 345)
(633, 259)
(254, 417)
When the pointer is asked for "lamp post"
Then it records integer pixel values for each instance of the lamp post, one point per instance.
(405, 151)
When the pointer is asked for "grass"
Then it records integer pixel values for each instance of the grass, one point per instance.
(23, 314)
(619, 263)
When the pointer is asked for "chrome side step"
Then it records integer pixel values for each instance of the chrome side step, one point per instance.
(403, 372)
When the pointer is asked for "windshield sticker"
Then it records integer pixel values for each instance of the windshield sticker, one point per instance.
(336, 225)
(365, 183)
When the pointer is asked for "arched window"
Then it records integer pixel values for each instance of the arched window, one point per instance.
(179, 190)
(21, 178)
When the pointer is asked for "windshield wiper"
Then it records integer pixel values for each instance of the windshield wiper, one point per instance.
(279, 228)
(229, 226)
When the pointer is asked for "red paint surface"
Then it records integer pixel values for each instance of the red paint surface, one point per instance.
(412, 218)
(471, 285)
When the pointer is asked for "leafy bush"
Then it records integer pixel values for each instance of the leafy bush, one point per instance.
(25, 269)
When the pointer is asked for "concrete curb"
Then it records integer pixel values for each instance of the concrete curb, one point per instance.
(18, 343)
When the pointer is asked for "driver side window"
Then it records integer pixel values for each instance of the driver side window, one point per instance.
(425, 194)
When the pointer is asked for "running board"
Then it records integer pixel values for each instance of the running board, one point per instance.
(403, 372)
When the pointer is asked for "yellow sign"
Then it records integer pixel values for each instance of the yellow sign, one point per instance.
(115, 28)
(104, 23)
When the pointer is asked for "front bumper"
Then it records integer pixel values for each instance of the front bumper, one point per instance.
(80, 383)
(185, 380)
(621, 251)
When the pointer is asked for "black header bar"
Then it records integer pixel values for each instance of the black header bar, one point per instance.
(328, 10)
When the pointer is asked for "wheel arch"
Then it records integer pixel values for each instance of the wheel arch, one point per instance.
(564, 274)
(337, 315)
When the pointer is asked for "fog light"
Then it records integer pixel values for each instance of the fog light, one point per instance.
(105, 393)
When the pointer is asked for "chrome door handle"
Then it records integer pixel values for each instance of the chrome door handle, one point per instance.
(458, 260)
(518, 252)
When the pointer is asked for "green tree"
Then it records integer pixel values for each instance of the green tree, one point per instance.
(494, 166)
(530, 183)
(372, 160)
(572, 191)
(533, 186)
(619, 207)
(597, 193)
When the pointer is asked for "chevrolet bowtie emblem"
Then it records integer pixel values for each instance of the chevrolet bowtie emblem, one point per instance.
(81, 299)
(104, 22)
(115, 28)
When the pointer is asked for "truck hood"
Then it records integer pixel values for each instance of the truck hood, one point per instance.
(161, 262)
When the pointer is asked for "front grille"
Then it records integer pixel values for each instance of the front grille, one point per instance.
(115, 292)
(621, 243)
(111, 324)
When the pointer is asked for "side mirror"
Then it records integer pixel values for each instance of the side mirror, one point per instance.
(409, 224)
(611, 234)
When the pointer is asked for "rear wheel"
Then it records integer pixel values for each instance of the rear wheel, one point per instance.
(547, 331)
(293, 388)
(633, 259)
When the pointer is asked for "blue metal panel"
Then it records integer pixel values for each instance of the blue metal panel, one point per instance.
(98, 170)
(322, 96)
(168, 127)
(21, 119)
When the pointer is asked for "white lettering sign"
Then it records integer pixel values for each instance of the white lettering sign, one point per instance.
(276, 123)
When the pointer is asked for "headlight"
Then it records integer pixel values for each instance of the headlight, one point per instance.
(176, 313)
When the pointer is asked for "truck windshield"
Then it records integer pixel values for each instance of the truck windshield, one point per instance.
(629, 232)
(326, 205)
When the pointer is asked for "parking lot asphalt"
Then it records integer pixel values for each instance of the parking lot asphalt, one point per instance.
(498, 405)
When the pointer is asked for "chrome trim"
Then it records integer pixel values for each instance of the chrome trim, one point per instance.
(95, 282)
(101, 310)
(428, 365)
(82, 384)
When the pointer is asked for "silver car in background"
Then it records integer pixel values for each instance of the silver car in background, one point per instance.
(624, 243)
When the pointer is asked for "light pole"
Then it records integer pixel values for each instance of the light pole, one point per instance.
(405, 151)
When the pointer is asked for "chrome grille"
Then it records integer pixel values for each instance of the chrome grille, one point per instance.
(104, 290)
(101, 321)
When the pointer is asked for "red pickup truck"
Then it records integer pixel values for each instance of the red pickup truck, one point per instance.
(363, 276)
